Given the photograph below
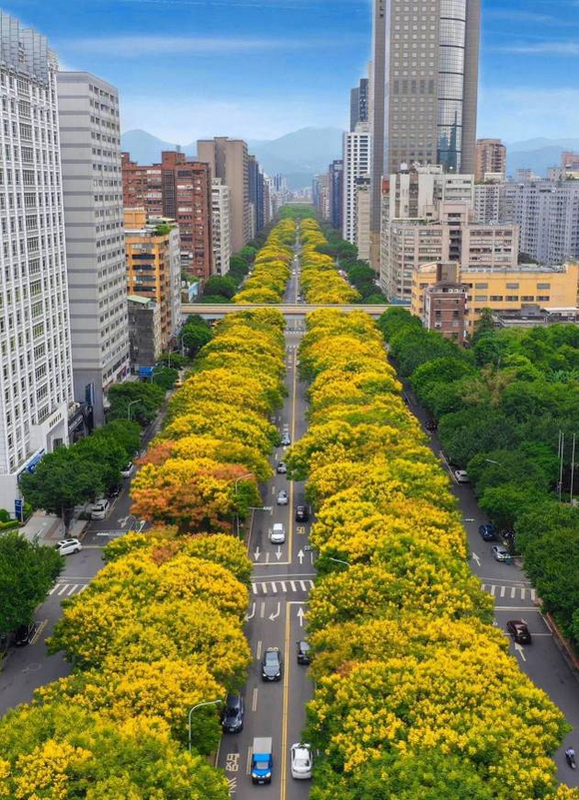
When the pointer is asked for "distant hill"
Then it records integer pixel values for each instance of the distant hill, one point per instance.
(538, 154)
(298, 155)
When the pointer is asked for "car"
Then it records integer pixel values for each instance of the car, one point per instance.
(302, 513)
(500, 553)
(301, 761)
(24, 634)
(488, 532)
(233, 714)
(285, 440)
(128, 470)
(271, 664)
(115, 491)
(100, 509)
(431, 425)
(277, 533)
(519, 631)
(281, 468)
(461, 476)
(66, 547)
(282, 498)
(304, 652)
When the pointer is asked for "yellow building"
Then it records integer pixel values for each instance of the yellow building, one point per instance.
(505, 290)
(153, 266)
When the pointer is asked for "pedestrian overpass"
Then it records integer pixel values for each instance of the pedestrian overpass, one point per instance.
(218, 311)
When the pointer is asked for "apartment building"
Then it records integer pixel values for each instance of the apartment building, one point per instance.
(90, 141)
(357, 166)
(221, 217)
(145, 334)
(336, 193)
(503, 290)
(36, 385)
(228, 160)
(363, 213)
(490, 159)
(154, 267)
(444, 304)
(415, 192)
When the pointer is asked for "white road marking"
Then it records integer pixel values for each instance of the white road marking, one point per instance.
(249, 754)
(254, 700)
(258, 650)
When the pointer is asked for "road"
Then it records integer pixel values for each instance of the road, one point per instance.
(282, 578)
(515, 598)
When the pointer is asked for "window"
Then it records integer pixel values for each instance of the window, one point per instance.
(543, 298)
(543, 286)
(527, 298)
(497, 298)
(512, 298)
(481, 298)
(512, 285)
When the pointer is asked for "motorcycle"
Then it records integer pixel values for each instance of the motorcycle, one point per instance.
(570, 758)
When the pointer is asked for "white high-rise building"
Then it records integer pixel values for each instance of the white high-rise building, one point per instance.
(90, 137)
(220, 222)
(36, 375)
(357, 165)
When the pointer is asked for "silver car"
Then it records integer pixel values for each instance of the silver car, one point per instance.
(500, 553)
(301, 761)
(282, 498)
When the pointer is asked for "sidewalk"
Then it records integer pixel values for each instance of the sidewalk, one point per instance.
(48, 529)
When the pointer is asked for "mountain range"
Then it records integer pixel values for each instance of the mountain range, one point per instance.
(302, 154)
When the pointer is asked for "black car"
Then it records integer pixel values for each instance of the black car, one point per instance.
(24, 634)
(519, 631)
(233, 714)
(302, 513)
(431, 425)
(304, 652)
(271, 664)
(488, 533)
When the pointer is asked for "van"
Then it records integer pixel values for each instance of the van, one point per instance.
(261, 761)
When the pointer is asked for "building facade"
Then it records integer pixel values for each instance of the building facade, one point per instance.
(36, 384)
(444, 304)
(359, 103)
(490, 159)
(228, 160)
(415, 192)
(221, 215)
(425, 87)
(357, 165)
(145, 335)
(90, 144)
(336, 189)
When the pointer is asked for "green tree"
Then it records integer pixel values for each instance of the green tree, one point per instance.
(503, 504)
(165, 377)
(27, 571)
(122, 431)
(195, 335)
(146, 398)
(220, 285)
(61, 481)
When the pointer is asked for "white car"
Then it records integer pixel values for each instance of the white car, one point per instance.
(301, 761)
(286, 440)
(282, 498)
(277, 533)
(68, 546)
(100, 509)
(461, 476)
(281, 468)
(127, 470)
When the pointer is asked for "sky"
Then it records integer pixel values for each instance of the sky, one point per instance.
(188, 69)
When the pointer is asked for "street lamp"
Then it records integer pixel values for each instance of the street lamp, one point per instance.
(132, 403)
(339, 561)
(200, 705)
(490, 461)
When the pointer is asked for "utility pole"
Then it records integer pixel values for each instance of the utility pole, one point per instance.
(572, 470)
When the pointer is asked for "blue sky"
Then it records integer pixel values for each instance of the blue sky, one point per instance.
(262, 68)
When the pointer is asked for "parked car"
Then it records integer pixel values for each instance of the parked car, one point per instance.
(100, 509)
(461, 476)
(128, 470)
(304, 652)
(302, 513)
(285, 440)
(431, 425)
(66, 547)
(115, 491)
(281, 468)
(500, 553)
(233, 714)
(519, 631)
(488, 533)
(282, 498)
(271, 664)
(301, 761)
(24, 634)
(277, 533)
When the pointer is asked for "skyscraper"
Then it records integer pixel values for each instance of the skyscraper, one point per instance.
(490, 159)
(336, 185)
(90, 141)
(425, 86)
(36, 378)
(229, 161)
(359, 103)
(357, 166)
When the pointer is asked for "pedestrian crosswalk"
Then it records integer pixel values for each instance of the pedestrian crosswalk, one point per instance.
(67, 589)
(261, 588)
(510, 592)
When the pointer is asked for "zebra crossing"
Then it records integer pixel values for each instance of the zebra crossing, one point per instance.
(67, 589)
(261, 588)
(510, 592)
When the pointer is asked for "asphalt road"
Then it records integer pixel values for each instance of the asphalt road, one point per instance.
(515, 598)
(282, 578)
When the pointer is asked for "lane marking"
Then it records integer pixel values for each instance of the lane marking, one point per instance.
(38, 631)
(254, 700)
(258, 651)
(284, 716)
(249, 754)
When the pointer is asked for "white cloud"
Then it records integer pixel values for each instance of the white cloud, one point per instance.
(545, 48)
(517, 114)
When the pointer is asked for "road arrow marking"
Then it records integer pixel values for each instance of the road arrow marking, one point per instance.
(257, 554)
(277, 613)
(476, 558)
(278, 553)
(301, 616)
(301, 556)
(252, 615)
(519, 649)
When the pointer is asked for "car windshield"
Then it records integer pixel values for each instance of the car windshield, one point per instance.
(261, 765)
(271, 660)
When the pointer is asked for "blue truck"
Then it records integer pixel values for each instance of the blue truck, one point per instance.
(261, 761)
